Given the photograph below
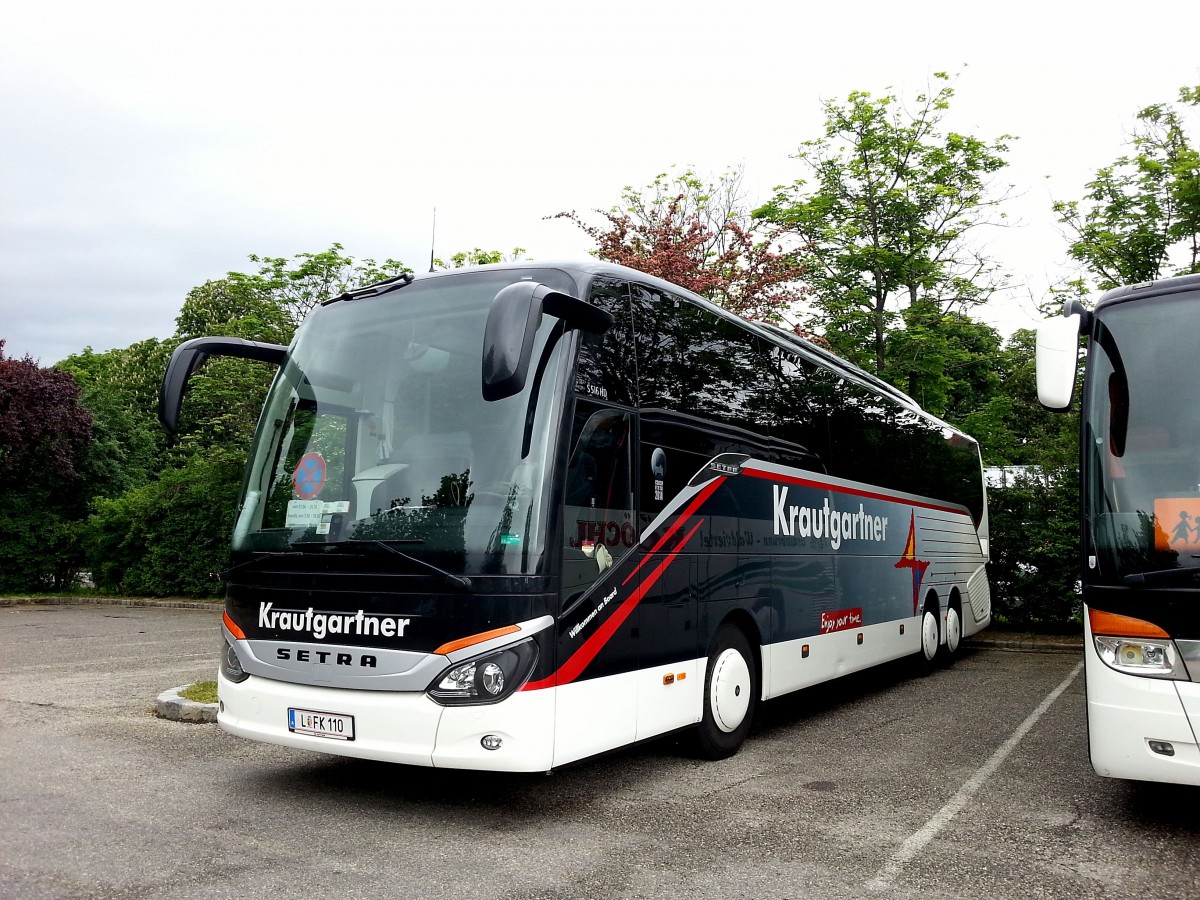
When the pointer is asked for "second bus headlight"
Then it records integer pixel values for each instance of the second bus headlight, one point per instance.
(1141, 656)
(485, 679)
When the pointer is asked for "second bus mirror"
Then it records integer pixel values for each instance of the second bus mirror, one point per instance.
(512, 324)
(1057, 355)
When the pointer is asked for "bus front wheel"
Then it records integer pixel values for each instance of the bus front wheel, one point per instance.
(731, 691)
(930, 640)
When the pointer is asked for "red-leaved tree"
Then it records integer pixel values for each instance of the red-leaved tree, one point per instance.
(45, 434)
(699, 236)
(42, 424)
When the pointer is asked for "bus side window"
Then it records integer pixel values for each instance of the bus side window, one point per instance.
(798, 403)
(606, 363)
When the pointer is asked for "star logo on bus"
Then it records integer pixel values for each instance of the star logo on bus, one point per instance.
(909, 561)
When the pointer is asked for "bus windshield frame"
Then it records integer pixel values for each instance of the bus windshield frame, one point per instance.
(375, 435)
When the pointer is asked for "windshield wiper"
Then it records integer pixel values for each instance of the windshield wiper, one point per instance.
(458, 581)
(1180, 573)
(373, 290)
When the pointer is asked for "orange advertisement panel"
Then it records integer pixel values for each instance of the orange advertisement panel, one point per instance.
(1177, 521)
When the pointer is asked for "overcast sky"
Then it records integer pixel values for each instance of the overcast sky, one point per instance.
(148, 147)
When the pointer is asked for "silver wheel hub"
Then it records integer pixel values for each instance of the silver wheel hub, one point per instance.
(929, 635)
(953, 630)
(729, 690)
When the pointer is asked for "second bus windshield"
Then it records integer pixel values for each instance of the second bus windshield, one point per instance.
(1142, 439)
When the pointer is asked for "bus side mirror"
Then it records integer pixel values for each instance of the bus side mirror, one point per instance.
(188, 356)
(512, 324)
(1057, 355)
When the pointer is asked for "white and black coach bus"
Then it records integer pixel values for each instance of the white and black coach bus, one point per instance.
(1140, 522)
(514, 516)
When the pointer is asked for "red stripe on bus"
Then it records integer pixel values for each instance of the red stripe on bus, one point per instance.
(573, 667)
(683, 516)
(856, 492)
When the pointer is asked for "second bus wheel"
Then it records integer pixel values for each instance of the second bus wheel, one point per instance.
(731, 691)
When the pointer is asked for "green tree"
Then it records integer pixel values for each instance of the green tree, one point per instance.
(170, 536)
(1013, 428)
(946, 361)
(120, 390)
(699, 235)
(1144, 208)
(1033, 502)
(1034, 570)
(478, 257)
(884, 214)
(298, 284)
(168, 530)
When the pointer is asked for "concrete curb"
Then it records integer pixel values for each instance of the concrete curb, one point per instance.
(170, 705)
(217, 605)
(1025, 645)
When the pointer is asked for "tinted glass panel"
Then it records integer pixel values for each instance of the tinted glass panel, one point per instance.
(1141, 434)
(606, 369)
(598, 511)
(692, 361)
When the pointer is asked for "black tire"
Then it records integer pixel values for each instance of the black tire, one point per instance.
(731, 690)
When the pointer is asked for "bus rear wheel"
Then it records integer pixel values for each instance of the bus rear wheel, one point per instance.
(731, 691)
(953, 634)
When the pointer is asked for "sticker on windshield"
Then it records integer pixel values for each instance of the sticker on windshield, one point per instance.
(309, 477)
(1177, 524)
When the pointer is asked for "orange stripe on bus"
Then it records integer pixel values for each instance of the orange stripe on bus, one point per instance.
(476, 639)
(233, 627)
(1123, 626)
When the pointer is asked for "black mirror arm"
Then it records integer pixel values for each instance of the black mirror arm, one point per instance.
(189, 356)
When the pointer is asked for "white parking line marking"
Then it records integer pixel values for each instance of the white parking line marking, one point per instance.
(917, 841)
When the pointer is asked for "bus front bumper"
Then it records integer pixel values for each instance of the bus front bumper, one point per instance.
(515, 735)
(1139, 728)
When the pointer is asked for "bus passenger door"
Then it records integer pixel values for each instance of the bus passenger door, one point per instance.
(597, 700)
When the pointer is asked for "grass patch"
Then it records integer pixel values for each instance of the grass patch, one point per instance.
(200, 692)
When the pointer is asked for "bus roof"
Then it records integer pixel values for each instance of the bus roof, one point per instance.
(1147, 289)
(774, 333)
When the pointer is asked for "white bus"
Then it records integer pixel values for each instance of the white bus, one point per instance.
(1141, 522)
(512, 517)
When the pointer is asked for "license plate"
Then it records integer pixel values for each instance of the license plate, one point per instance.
(321, 724)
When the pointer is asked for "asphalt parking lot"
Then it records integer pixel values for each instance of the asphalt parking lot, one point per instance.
(972, 782)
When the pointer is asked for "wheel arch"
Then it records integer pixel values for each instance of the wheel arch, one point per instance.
(746, 623)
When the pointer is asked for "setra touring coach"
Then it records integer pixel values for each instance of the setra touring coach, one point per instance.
(515, 516)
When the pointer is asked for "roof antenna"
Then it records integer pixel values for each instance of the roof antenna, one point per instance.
(433, 240)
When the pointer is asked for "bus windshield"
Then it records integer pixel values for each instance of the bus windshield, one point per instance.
(1142, 481)
(375, 436)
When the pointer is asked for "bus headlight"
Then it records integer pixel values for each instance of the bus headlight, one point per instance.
(231, 666)
(1141, 656)
(485, 679)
